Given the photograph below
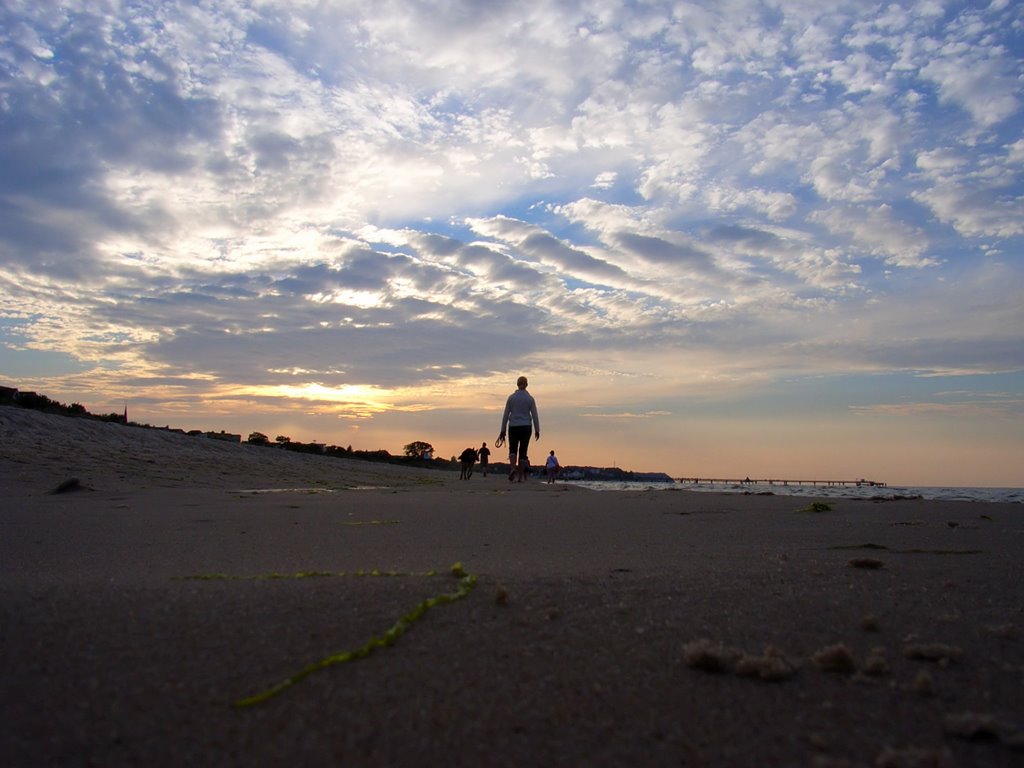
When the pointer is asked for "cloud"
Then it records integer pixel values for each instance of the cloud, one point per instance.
(674, 257)
(627, 415)
(981, 81)
(236, 202)
(975, 211)
(776, 205)
(881, 234)
(960, 409)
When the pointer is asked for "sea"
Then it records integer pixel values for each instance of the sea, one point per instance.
(1011, 495)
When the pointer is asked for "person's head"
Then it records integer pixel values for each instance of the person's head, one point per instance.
(484, 445)
(521, 382)
(552, 453)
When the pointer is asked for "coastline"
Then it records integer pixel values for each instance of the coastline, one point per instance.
(869, 493)
(627, 628)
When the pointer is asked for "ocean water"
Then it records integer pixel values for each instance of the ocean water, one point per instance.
(1013, 495)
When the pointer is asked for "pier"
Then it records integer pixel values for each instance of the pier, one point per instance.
(776, 481)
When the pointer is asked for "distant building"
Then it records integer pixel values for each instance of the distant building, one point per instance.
(222, 435)
(8, 395)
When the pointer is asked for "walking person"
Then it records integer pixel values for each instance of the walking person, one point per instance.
(551, 466)
(520, 414)
(485, 456)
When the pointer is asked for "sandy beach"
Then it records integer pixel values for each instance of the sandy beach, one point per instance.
(142, 612)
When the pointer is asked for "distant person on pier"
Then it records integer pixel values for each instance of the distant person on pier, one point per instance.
(468, 458)
(551, 466)
(520, 413)
(485, 457)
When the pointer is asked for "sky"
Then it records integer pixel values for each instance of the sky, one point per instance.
(765, 238)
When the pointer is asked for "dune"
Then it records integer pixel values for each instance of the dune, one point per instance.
(39, 451)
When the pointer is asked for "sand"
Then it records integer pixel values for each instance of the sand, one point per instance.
(583, 628)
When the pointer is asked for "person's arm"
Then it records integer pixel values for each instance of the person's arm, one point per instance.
(536, 419)
(504, 416)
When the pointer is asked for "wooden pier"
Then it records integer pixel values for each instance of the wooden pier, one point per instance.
(775, 481)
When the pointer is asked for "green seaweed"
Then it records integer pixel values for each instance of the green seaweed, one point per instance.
(274, 575)
(467, 582)
(817, 506)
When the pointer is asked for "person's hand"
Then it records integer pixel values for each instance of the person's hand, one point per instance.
(537, 435)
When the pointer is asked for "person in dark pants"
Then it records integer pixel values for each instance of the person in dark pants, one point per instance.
(520, 414)
(485, 455)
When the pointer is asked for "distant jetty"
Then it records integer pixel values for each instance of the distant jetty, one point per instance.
(776, 481)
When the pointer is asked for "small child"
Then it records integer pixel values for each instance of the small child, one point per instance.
(551, 467)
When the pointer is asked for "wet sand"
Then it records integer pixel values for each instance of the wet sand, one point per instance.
(582, 628)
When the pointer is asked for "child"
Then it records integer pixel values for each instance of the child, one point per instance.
(551, 466)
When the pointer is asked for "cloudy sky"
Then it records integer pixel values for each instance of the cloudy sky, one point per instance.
(722, 237)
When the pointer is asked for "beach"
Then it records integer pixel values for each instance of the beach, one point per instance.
(186, 601)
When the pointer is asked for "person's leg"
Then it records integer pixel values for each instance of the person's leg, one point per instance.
(513, 453)
(524, 458)
(518, 440)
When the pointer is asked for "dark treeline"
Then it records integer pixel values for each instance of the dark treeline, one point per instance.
(37, 402)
